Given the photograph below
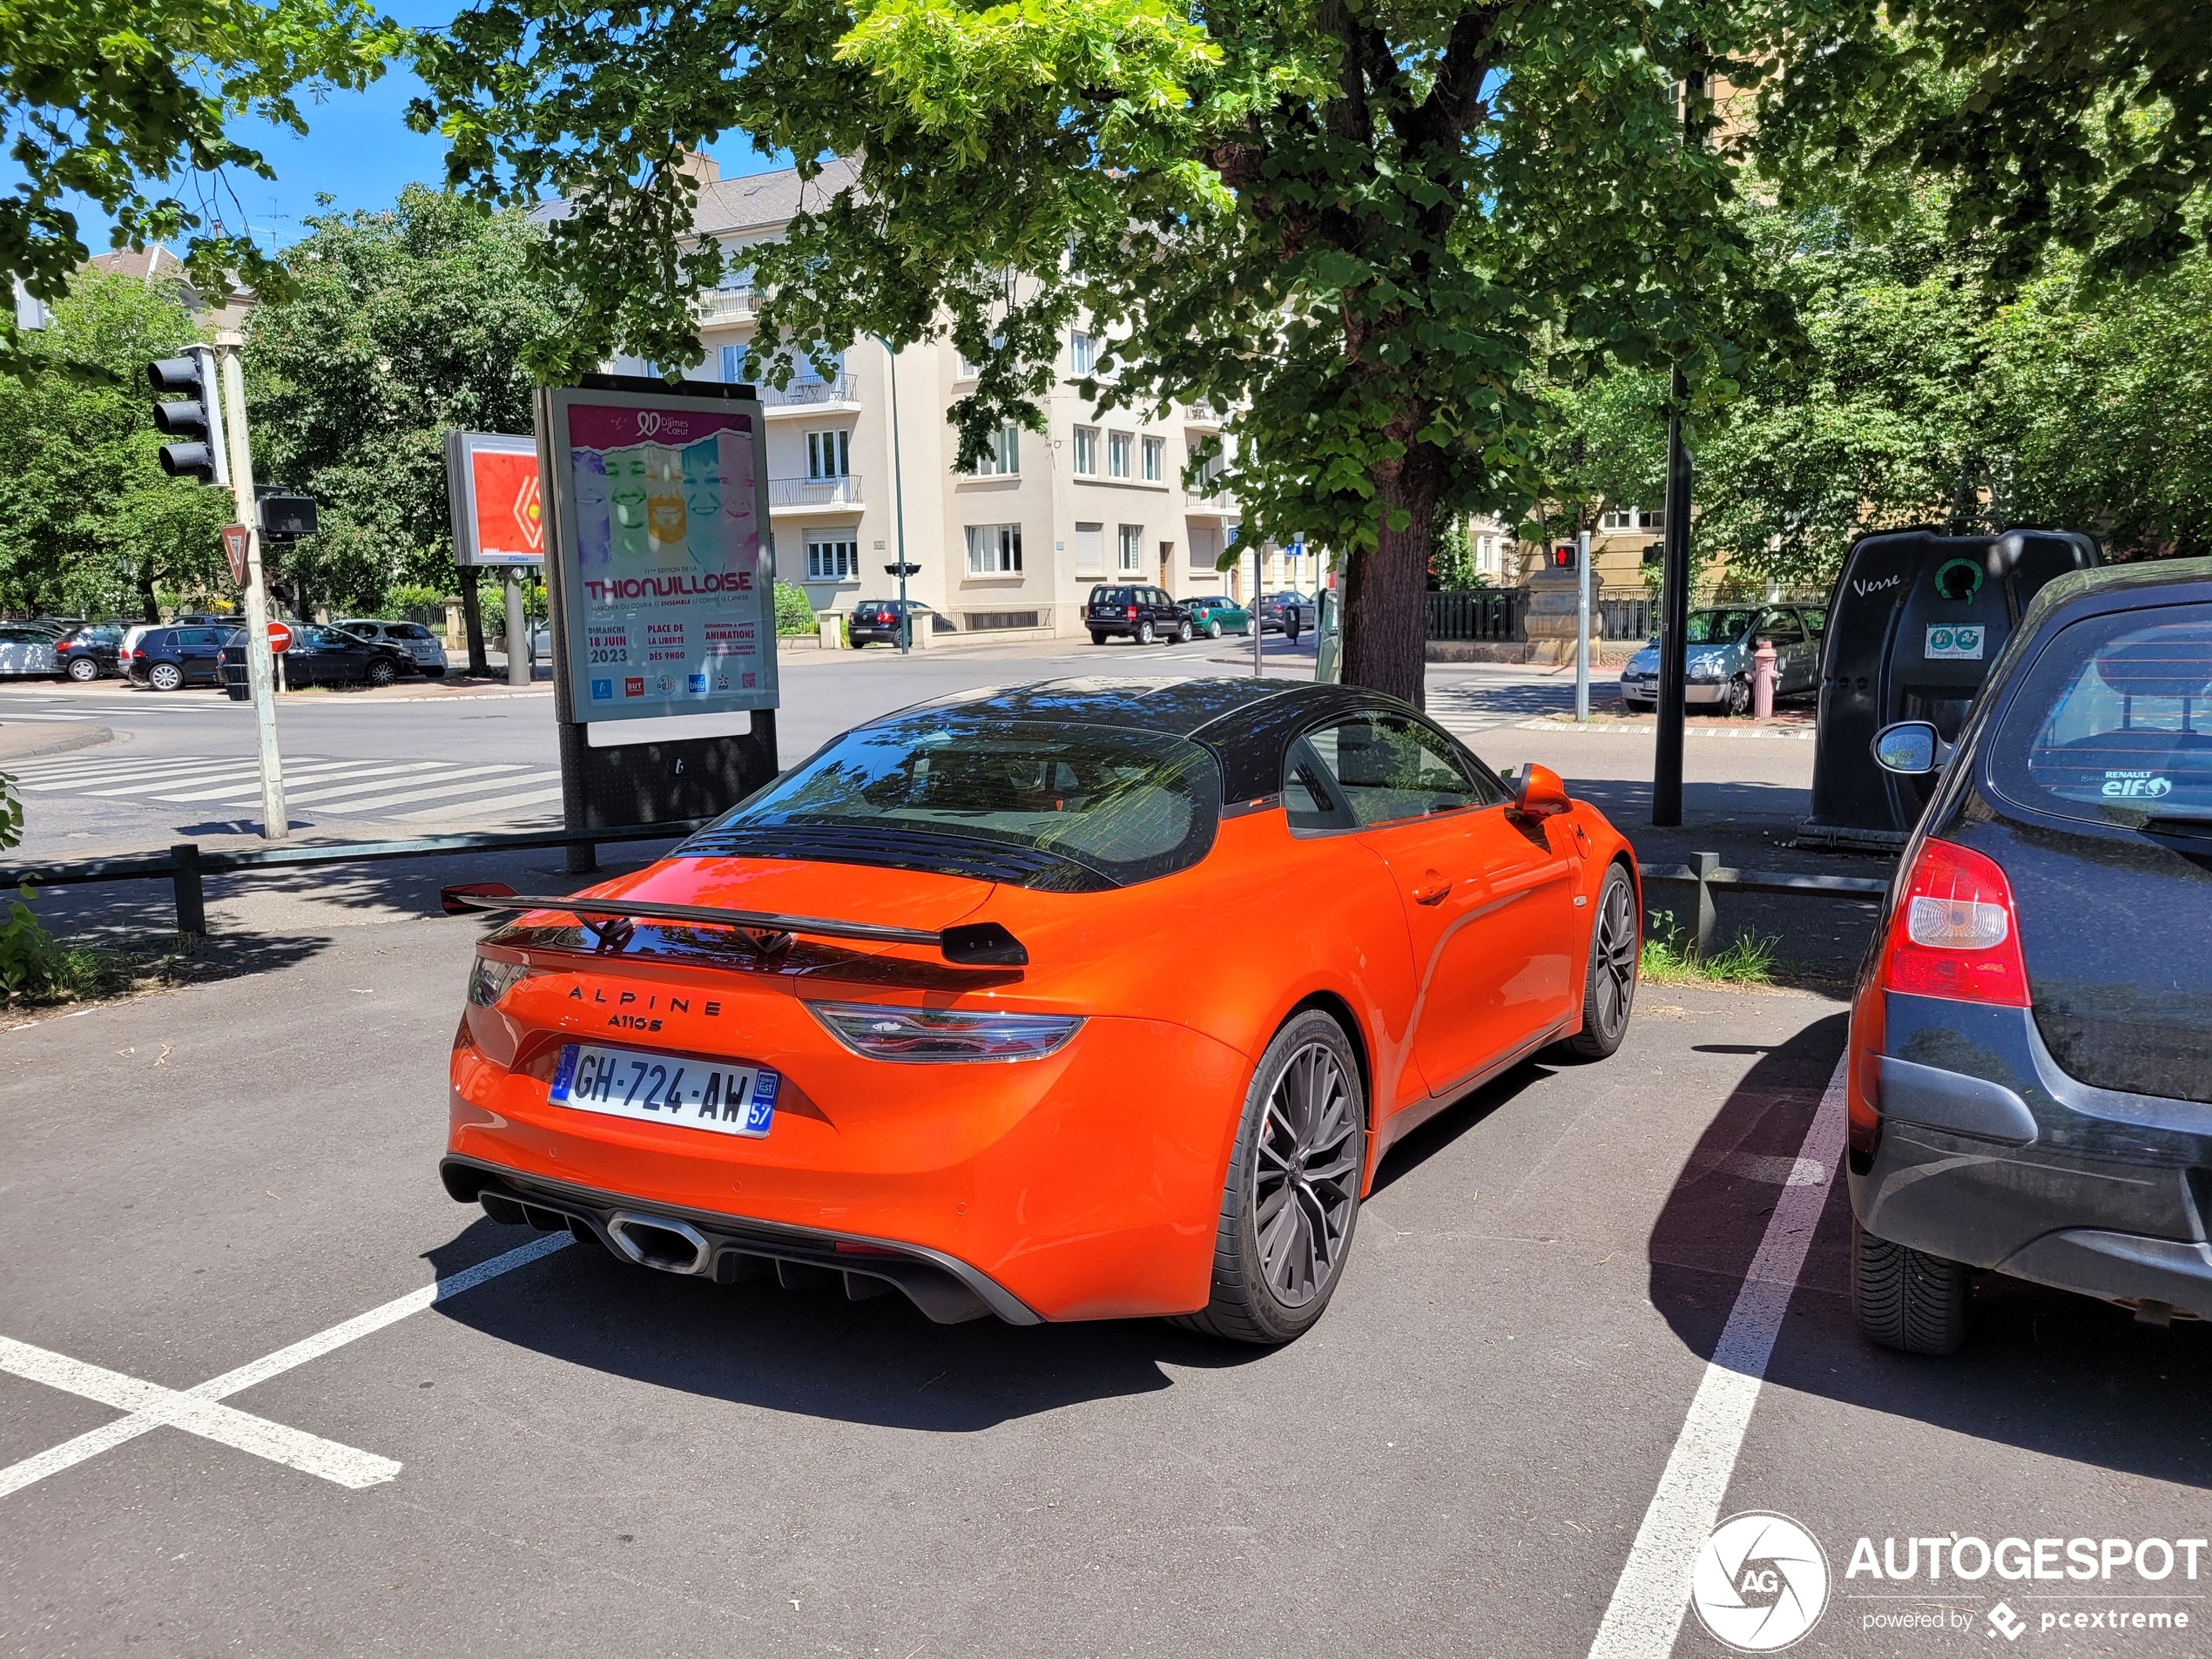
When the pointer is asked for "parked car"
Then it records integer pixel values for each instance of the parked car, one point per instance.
(60, 627)
(419, 645)
(902, 991)
(876, 621)
(86, 653)
(1215, 615)
(1287, 612)
(25, 648)
(2029, 1089)
(1141, 614)
(167, 659)
(323, 655)
(1719, 651)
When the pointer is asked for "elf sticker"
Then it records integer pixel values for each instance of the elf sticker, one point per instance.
(1958, 641)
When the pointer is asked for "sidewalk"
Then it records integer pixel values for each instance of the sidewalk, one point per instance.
(20, 740)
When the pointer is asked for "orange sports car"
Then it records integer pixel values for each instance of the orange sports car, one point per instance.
(1075, 1000)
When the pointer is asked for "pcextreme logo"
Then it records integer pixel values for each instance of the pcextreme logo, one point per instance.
(1760, 1583)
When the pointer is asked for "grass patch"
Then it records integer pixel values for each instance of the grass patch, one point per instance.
(38, 970)
(1670, 957)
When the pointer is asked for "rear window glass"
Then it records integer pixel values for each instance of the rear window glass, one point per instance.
(2114, 721)
(1107, 806)
(412, 630)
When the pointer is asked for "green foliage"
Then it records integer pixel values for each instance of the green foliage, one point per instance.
(794, 614)
(88, 522)
(118, 102)
(1453, 560)
(404, 324)
(1359, 226)
(10, 814)
(1670, 957)
(1607, 447)
(2065, 125)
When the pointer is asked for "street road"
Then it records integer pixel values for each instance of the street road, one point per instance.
(232, 1416)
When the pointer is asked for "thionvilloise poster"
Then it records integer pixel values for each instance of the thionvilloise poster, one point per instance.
(666, 599)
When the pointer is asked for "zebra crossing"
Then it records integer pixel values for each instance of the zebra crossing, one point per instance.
(1468, 707)
(406, 792)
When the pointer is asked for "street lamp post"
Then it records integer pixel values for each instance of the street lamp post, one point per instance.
(897, 496)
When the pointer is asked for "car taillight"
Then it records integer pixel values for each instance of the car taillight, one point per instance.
(885, 1032)
(490, 979)
(138, 655)
(1132, 613)
(1955, 932)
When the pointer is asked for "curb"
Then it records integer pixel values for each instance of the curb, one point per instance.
(87, 739)
(1617, 728)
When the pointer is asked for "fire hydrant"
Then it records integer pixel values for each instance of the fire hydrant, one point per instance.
(1763, 681)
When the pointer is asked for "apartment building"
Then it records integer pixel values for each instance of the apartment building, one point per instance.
(1013, 547)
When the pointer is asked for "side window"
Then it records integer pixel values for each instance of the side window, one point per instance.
(1387, 768)
(1781, 626)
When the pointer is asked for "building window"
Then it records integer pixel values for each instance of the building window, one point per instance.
(1624, 518)
(733, 365)
(993, 550)
(1091, 549)
(829, 455)
(1003, 459)
(1206, 544)
(1087, 451)
(1156, 460)
(1082, 354)
(832, 558)
(1119, 446)
(1132, 551)
(969, 371)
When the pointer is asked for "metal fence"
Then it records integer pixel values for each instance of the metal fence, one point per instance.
(1492, 613)
(1704, 874)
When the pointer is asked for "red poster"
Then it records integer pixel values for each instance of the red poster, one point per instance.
(510, 522)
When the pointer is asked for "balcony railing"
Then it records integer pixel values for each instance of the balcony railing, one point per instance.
(814, 492)
(726, 305)
(809, 393)
(1217, 496)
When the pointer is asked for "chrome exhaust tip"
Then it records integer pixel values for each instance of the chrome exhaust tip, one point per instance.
(656, 1241)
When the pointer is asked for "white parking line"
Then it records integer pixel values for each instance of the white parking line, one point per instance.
(1645, 1614)
(152, 1406)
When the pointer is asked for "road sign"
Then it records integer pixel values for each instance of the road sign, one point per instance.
(234, 547)
(279, 637)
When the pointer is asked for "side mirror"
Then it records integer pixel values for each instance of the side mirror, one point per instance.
(1909, 748)
(1540, 794)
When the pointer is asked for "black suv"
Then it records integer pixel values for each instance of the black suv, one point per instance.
(1141, 614)
(321, 655)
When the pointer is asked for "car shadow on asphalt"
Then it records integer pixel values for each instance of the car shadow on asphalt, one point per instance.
(1421, 1144)
(2044, 1370)
(812, 1353)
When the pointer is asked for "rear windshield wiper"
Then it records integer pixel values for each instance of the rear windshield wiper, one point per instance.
(975, 944)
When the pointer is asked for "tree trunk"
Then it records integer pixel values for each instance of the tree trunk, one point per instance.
(1385, 598)
(151, 611)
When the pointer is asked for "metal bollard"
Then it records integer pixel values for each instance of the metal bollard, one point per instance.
(1763, 676)
(1703, 866)
(191, 898)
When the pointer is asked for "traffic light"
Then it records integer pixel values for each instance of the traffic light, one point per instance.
(193, 413)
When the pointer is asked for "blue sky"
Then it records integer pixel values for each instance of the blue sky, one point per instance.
(359, 151)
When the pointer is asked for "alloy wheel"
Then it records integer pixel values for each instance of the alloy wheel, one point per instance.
(82, 668)
(1305, 1176)
(1613, 976)
(165, 677)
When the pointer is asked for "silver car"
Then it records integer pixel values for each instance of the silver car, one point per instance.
(412, 638)
(1721, 645)
(26, 648)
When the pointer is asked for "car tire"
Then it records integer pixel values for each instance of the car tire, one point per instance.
(83, 670)
(1272, 1282)
(380, 673)
(1184, 634)
(1906, 1298)
(1609, 979)
(1213, 628)
(1739, 697)
(1143, 633)
(1097, 638)
(165, 677)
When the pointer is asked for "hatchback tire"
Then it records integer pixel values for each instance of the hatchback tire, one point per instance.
(1213, 628)
(1906, 1298)
(380, 673)
(1609, 981)
(84, 670)
(1739, 697)
(165, 677)
(1292, 1196)
(1184, 634)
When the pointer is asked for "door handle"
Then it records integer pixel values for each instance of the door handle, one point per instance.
(1431, 893)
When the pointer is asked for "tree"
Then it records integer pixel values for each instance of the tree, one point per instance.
(87, 520)
(406, 324)
(106, 99)
(2080, 124)
(1607, 449)
(1351, 223)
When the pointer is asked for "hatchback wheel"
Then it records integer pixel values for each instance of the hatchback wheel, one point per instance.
(84, 670)
(1906, 1298)
(1609, 981)
(1292, 1196)
(1739, 697)
(1143, 633)
(1213, 628)
(379, 672)
(164, 677)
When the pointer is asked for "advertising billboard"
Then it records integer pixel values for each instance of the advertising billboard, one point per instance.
(498, 509)
(664, 598)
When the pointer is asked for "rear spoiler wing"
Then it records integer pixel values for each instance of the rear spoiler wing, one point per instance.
(975, 944)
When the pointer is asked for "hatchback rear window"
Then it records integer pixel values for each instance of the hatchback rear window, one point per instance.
(2114, 720)
(1105, 807)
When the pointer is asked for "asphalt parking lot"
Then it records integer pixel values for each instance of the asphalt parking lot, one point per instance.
(233, 1417)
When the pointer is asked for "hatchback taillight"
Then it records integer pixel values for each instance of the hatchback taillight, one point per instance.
(1955, 932)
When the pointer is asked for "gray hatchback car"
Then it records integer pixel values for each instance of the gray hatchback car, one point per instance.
(1722, 643)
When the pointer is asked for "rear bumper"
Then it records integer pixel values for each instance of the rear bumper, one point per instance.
(1122, 630)
(1990, 1156)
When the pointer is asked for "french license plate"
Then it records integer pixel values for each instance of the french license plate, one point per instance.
(664, 1089)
